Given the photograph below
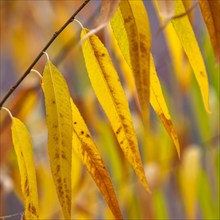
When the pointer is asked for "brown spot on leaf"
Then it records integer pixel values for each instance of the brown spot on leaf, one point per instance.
(118, 131)
(128, 19)
(74, 122)
(82, 132)
(53, 102)
(61, 115)
(57, 169)
(33, 210)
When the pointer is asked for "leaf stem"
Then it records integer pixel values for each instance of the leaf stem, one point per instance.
(55, 35)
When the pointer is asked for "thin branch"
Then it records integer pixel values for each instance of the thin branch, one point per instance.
(56, 34)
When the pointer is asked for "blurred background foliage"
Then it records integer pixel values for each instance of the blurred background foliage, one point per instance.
(181, 189)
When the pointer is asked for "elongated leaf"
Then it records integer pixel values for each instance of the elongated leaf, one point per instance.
(159, 105)
(110, 94)
(132, 31)
(23, 149)
(189, 179)
(156, 96)
(188, 40)
(58, 112)
(86, 149)
(210, 11)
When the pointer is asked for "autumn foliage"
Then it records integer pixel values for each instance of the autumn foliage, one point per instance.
(107, 122)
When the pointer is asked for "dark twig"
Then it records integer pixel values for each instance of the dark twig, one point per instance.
(56, 34)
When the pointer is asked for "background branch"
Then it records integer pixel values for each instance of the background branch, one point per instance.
(56, 34)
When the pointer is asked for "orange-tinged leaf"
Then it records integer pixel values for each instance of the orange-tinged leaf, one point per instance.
(159, 105)
(23, 149)
(210, 11)
(156, 96)
(109, 91)
(86, 149)
(60, 129)
(188, 40)
(132, 31)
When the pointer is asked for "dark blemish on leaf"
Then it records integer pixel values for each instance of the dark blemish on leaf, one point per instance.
(63, 155)
(55, 126)
(61, 115)
(57, 169)
(102, 54)
(202, 74)
(33, 210)
(29, 207)
(55, 138)
(87, 135)
(82, 132)
(53, 102)
(129, 19)
(118, 131)
(121, 142)
(74, 122)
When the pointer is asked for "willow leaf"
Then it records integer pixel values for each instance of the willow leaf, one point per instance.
(111, 96)
(159, 105)
(135, 39)
(60, 129)
(156, 96)
(23, 149)
(188, 40)
(210, 11)
(86, 149)
(189, 179)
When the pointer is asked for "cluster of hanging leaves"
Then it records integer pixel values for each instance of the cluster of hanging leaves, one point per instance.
(67, 131)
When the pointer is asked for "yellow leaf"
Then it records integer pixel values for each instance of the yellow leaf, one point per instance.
(23, 149)
(189, 178)
(210, 11)
(111, 96)
(156, 96)
(188, 40)
(132, 31)
(86, 149)
(159, 105)
(60, 129)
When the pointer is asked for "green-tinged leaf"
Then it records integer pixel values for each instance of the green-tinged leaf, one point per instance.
(132, 32)
(86, 149)
(60, 129)
(23, 149)
(210, 11)
(156, 96)
(159, 105)
(205, 197)
(160, 205)
(111, 96)
(188, 40)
